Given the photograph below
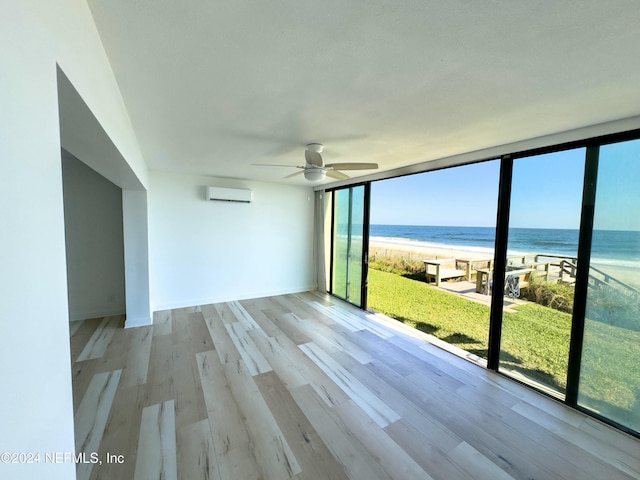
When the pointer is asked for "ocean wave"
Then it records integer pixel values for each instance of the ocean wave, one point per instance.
(422, 244)
(610, 262)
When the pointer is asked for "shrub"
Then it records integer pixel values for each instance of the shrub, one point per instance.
(558, 296)
(398, 265)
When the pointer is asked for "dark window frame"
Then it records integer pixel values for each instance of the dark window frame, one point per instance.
(592, 146)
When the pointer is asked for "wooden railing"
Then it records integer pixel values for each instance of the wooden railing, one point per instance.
(608, 280)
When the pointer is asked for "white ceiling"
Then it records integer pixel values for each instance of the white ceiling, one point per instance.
(215, 86)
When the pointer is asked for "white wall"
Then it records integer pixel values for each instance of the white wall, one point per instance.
(205, 251)
(94, 242)
(136, 257)
(36, 407)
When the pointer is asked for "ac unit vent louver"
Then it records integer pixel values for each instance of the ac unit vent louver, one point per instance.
(223, 194)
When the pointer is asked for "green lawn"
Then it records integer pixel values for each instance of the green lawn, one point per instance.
(535, 339)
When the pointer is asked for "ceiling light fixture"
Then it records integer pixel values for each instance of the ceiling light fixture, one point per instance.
(314, 174)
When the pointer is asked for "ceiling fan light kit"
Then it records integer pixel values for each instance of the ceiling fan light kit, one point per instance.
(315, 174)
(316, 170)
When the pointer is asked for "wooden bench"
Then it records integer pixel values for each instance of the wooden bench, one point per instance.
(442, 269)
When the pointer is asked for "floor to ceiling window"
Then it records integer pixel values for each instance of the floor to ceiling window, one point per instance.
(548, 294)
(347, 279)
(542, 251)
(429, 234)
(609, 382)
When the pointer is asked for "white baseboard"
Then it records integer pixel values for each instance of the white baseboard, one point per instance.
(138, 322)
(230, 297)
(98, 313)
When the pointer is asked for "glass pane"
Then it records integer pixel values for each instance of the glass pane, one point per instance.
(347, 243)
(340, 242)
(430, 235)
(609, 376)
(542, 250)
(355, 252)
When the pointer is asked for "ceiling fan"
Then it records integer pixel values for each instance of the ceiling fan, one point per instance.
(315, 169)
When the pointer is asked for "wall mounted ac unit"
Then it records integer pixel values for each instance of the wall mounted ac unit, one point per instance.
(223, 194)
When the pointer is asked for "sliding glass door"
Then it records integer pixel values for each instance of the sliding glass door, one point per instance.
(563, 285)
(348, 272)
(542, 251)
(609, 382)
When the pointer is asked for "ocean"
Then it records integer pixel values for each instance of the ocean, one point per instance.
(620, 248)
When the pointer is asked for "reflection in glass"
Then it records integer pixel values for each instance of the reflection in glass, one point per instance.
(347, 243)
(609, 375)
(542, 250)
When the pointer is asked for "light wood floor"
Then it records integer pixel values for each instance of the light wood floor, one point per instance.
(307, 387)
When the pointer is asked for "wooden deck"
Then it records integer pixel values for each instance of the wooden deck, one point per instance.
(307, 387)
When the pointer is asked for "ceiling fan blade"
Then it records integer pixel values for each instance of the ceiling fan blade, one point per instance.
(313, 158)
(274, 165)
(294, 174)
(337, 175)
(353, 166)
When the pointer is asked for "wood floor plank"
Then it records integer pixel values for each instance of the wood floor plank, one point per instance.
(223, 312)
(341, 312)
(274, 350)
(160, 381)
(499, 438)
(381, 413)
(294, 304)
(425, 449)
(74, 326)
(253, 358)
(269, 446)
(196, 456)
(82, 335)
(609, 454)
(91, 417)
(391, 457)
(305, 386)
(611, 436)
(120, 435)
(156, 455)
(463, 424)
(162, 322)
(327, 338)
(180, 332)
(200, 338)
(311, 374)
(242, 315)
(115, 355)
(229, 434)
(99, 341)
(188, 395)
(356, 460)
(422, 436)
(315, 459)
(256, 309)
(137, 356)
(82, 374)
(287, 326)
(226, 350)
(477, 464)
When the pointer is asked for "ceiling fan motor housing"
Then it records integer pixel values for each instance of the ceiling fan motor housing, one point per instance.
(315, 147)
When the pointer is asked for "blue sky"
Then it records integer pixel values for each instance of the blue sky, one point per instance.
(546, 193)
(618, 191)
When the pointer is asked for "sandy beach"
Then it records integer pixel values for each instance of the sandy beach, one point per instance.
(419, 251)
(414, 250)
